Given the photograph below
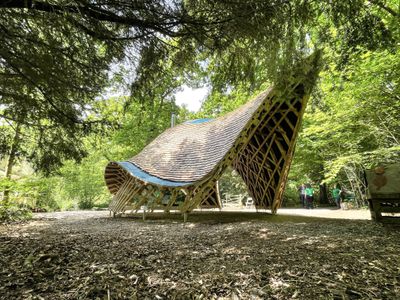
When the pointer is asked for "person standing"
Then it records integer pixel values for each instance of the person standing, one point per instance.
(336, 194)
(302, 195)
(309, 196)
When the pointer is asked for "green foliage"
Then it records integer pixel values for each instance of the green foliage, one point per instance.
(51, 72)
(59, 57)
(83, 184)
(30, 192)
(76, 186)
(231, 184)
(11, 213)
(219, 103)
(354, 124)
(291, 194)
(14, 210)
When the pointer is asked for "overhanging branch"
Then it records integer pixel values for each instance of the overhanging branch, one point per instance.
(385, 7)
(94, 13)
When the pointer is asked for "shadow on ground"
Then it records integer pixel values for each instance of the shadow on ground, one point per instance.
(214, 217)
(229, 255)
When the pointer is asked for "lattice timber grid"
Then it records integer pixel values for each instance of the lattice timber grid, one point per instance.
(181, 167)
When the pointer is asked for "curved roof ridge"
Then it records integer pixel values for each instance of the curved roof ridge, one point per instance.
(189, 151)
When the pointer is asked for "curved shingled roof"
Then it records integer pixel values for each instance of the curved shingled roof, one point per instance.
(186, 161)
(189, 151)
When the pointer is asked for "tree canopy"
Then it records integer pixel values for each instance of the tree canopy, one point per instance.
(57, 56)
(60, 60)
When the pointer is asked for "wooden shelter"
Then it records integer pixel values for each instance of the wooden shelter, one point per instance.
(181, 167)
(384, 193)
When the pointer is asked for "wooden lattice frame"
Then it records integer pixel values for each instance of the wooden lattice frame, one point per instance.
(261, 154)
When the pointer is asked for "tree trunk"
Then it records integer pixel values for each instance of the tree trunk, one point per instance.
(11, 161)
(323, 194)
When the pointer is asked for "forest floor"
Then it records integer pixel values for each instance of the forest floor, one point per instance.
(297, 254)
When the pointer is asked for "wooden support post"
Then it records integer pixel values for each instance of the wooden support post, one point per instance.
(144, 213)
(219, 202)
(185, 216)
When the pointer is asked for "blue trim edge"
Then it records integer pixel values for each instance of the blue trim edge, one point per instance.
(198, 121)
(144, 176)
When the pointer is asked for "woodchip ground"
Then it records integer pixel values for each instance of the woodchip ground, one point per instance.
(297, 254)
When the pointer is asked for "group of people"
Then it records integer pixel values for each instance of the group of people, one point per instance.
(306, 193)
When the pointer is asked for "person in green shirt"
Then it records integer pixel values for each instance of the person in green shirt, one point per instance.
(309, 196)
(336, 193)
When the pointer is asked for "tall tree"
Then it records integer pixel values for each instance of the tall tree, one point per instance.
(354, 125)
(57, 56)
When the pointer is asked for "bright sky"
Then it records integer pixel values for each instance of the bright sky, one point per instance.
(192, 98)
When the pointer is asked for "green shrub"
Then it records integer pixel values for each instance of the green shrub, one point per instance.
(231, 183)
(85, 203)
(10, 213)
(291, 195)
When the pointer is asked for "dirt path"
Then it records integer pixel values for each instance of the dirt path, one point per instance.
(306, 255)
(361, 214)
(352, 214)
